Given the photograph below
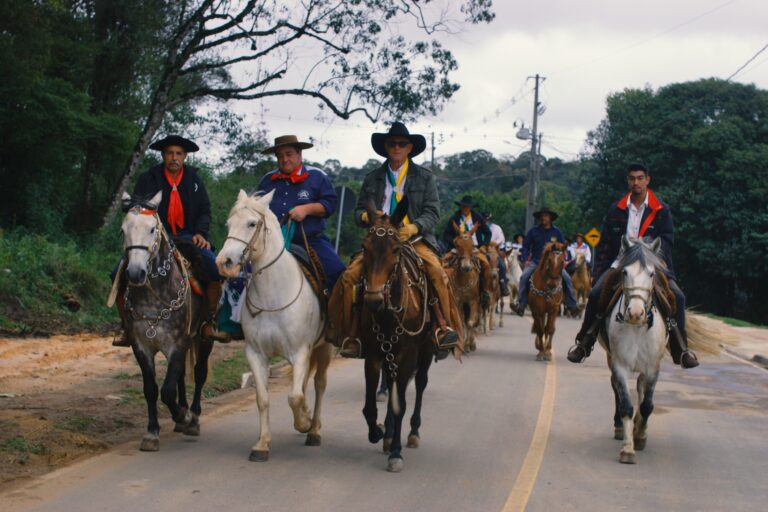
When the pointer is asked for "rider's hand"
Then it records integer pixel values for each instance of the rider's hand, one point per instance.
(364, 218)
(407, 232)
(200, 241)
(298, 213)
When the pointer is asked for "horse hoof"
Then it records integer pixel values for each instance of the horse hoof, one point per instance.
(618, 434)
(539, 357)
(381, 397)
(413, 441)
(312, 440)
(193, 429)
(259, 456)
(627, 458)
(386, 445)
(376, 434)
(547, 357)
(640, 444)
(395, 465)
(179, 427)
(150, 443)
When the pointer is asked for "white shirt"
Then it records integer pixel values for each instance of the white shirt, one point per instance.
(497, 234)
(388, 188)
(635, 217)
(584, 249)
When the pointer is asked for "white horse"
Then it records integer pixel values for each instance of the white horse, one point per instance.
(281, 315)
(514, 275)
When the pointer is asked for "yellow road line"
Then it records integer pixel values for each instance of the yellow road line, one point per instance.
(526, 478)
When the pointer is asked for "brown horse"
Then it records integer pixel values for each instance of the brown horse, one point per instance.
(463, 269)
(397, 336)
(582, 281)
(544, 297)
(495, 290)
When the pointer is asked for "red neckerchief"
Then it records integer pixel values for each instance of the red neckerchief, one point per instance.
(175, 208)
(295, 177)
(653, 203)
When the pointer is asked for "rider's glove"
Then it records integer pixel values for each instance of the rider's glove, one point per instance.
(406, 232)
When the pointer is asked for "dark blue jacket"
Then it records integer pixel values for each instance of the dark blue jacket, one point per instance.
(537, 238)
(483, 233)
(315, 189)
(194, 198)
(615, 227)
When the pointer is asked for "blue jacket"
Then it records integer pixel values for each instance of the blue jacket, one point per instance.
(615, 227)
(537, 238)
(315, 189)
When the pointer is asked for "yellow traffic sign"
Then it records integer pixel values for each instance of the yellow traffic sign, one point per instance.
(592, 237)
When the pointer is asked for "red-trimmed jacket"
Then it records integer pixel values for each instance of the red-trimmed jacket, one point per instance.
(656, 223)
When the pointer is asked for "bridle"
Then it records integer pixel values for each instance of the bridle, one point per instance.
(550, 291)
(642, 293)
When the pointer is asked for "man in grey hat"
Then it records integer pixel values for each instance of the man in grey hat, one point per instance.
(533, 245)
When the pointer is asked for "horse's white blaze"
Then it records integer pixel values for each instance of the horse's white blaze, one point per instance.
(639, 281)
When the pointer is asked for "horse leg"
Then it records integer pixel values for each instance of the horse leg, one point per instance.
(181, 387)
(645, 389)
(501, 311)
(549, 334)
(538, 329)
(296, 400)
(183, 417)
(151, 440)
(201, 375)
(370, 411)
(395, 462)
(260, 367)
(323, 355)
(627, 455)
(618, 427)
(389, 426)
(422, 377)
(381, 394)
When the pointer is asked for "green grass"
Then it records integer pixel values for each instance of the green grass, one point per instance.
(82, 424)
(225, 376)
(20, 444)
(131, 396)
(735, 322)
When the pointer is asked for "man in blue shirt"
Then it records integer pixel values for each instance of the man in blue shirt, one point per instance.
(304, 194)
(533, 245)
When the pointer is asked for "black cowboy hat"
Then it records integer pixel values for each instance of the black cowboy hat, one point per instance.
(466, 201)
(286, 140)
(544, 209)
(487, 215)
(398, 129)
(518, 235)
(175, 140)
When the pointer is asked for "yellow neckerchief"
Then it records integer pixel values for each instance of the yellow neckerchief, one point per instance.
(396, 187)
(465, 220)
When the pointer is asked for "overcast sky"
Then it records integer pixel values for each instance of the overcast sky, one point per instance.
(586, 49)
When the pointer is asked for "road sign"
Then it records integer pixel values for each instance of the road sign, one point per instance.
(592, 237)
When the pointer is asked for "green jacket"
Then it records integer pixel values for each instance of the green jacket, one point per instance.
(421, 190)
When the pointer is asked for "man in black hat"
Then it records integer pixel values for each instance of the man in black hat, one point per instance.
(639, 214)
(533, 245)
(398, 177)
(497, 236)
(185, 212)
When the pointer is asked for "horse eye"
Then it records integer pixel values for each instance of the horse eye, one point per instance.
(652, 274)
(624, 271)
(252, 224)
(152, 231)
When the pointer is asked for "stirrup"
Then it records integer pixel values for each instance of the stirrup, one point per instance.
(449, 340)
(573, 353)
(347, 351)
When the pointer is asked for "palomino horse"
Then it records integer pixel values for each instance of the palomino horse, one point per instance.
(544, 297)
(582, 281)
(463, 271)
(281, 315)
(397, 337)
(495, 291)
(161, 315)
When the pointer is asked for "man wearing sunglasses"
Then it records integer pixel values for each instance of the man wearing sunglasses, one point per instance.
(398, 177)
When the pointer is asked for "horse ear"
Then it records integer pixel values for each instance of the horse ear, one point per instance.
(242, 195)
(155, 201)
(370, 208)
(626, 243)
(400, 212)
(656, 246)
(267, 198)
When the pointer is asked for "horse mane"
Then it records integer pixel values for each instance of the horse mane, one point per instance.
(641, 252)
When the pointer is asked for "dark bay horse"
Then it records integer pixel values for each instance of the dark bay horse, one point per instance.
(545, 295)
(462, 266)
(162, 315)
(397, 338)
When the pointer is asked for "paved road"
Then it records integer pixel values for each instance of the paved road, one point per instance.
(501, 432)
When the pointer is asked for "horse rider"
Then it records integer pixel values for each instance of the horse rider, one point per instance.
(533, 245)
(497, 236)
(579, 246)
(517, 244)
(639, 214)
(185, 212)
(399, 176)
(304, 194)
(466, 221)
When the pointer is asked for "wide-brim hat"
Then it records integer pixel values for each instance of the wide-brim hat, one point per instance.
(286, 140)
(577, 235)
(174, 140)
(398, 129)
(552, 214)
(466, 201)
(514, 237)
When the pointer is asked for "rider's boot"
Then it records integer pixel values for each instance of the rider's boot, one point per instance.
(211, 305)
(585, 341)
(445, 337)
(351, 345)
(678, 346)
(505, 288)
(121, 340)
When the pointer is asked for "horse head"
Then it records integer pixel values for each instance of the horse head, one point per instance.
(142, 234)
(493, 259)
(464, 250)
(553, 258)
(580, 259)
(381, 253)
(639, 262)
(248, 226)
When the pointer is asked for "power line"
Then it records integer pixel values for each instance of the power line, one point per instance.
(761, 50)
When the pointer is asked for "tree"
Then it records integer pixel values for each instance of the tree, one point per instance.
(363, 63)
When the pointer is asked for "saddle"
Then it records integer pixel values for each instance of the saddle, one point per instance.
(613, 288)
(310, 264)
(188, 255)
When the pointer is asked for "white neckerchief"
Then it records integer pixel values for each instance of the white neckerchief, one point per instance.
(389, 189)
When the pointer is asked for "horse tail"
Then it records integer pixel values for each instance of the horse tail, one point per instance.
(192, 358)
(706, 335)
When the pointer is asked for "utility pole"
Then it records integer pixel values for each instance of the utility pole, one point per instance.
(533, 173)
(433, 152)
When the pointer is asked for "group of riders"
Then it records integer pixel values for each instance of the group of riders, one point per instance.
(304, 195)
